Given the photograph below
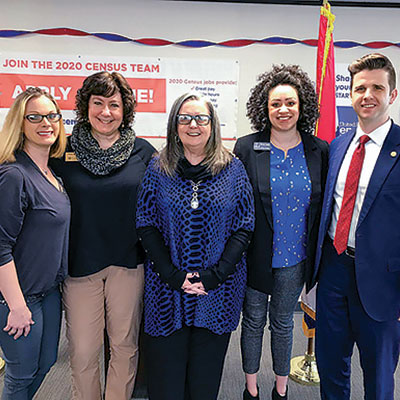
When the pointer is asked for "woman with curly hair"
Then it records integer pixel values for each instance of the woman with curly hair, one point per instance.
(287, 167)
(102, 169)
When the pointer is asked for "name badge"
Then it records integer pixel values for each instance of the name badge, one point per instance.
(70, 156)
(262, 146)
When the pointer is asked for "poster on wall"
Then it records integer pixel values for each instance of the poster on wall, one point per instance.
(346, 116)
(156, 82)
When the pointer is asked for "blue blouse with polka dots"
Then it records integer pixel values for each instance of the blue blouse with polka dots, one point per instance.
(290, 193)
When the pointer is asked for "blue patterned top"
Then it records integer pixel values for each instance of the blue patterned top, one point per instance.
(290, 194)
(196, 239)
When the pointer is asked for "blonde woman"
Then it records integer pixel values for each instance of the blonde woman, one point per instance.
(34, 224)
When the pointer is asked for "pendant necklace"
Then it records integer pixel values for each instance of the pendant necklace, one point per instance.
(194, 203)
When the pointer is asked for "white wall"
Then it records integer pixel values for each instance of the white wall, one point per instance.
(177, 20)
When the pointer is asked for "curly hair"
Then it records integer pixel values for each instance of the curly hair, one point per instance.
(105, 84)
(292, 75)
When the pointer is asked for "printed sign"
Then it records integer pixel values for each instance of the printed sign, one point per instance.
(156, 83)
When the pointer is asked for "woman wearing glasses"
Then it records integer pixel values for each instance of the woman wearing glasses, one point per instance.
(195, 216)
(102, 168)
(34, 223)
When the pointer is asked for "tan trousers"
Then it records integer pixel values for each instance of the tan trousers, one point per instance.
(113, 298)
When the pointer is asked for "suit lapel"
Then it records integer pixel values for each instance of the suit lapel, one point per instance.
(313, 160)
(263, 176)
(387, 158)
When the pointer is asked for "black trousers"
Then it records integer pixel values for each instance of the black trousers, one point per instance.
(186, 365)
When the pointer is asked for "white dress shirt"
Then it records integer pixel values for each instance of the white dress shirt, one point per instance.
(372, 150)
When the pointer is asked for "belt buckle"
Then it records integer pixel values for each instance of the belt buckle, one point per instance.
(350, 251)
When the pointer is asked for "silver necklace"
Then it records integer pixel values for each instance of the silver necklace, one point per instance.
(44, 170)
(194, 203)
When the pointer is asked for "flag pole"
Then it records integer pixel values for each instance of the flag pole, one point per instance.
(304, 368)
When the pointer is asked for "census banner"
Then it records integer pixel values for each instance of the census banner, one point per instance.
(347, 118)
(156, 82)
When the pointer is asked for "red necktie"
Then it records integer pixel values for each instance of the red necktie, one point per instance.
(349, 196)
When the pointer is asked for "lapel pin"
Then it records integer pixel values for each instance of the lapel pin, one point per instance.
(393, 154)
(70, 156)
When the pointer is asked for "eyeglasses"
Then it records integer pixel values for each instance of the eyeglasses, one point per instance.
(38, 118)
(186, 119)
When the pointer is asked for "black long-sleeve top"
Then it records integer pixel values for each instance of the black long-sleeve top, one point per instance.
(103, 231)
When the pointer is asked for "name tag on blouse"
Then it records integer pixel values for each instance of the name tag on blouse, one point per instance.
(70, 156)
(262, 146)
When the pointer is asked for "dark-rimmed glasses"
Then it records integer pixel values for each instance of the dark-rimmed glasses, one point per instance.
(186, 119)
(38, 118)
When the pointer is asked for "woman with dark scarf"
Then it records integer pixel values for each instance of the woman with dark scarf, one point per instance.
(102, 168)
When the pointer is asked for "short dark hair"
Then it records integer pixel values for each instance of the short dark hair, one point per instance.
(292, 75)
(370, 62)
(105, 84)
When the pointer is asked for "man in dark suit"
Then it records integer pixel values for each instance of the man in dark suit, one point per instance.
(358, 253)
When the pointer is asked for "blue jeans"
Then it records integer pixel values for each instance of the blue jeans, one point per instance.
(287, 286)
(28, 359)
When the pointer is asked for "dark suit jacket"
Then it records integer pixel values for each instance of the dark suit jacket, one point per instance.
(377, 260)
(259, 254)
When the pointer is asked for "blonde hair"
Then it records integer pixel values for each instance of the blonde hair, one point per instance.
(12, 135)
